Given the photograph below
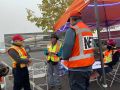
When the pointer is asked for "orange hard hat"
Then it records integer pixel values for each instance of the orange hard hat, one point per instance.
(17, 37)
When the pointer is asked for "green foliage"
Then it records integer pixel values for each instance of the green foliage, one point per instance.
(51, 10)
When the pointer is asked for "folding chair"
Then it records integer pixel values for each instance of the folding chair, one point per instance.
(39, 74)
(95, 75)
(114, 74)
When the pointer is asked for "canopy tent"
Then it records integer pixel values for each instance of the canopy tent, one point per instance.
(79, 6)
(107, 12)
(75, 6)
(108, 15)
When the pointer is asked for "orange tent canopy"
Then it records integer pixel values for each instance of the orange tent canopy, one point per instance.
(111, 0)
(76, 6)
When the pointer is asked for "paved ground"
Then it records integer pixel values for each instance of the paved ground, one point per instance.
(64, 79)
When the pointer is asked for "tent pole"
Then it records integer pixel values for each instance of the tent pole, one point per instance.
(108, 31)
(100, 43)
(106, 22)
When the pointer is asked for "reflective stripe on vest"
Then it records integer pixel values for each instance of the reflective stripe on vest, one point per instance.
(22, 53)
(54, 49)
(108, 56)
(82, 56)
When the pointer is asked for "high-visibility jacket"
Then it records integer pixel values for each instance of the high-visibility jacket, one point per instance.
(82, 53)
(55, 49)
(22, 53)
(108, 56)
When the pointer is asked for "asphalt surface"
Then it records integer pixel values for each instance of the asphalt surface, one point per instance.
(65, 86)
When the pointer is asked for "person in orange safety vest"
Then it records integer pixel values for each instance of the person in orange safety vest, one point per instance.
(110, 51)
(111, 57)
(78, 53)
(20, 61)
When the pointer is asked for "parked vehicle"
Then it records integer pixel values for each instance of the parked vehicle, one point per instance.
(33, 41)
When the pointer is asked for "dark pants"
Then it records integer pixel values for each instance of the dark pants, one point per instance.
(79, 80)
(53, 74)
(107, 70)
(21, 79)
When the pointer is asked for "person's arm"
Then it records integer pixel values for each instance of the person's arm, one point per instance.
(28, 55)
(68, 44)
(46, 52)
(60, 52)
(16, 57)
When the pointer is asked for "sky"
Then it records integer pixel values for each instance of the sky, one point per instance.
(13, 16)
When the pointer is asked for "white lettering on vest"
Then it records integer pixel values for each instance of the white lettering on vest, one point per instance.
(87, 42)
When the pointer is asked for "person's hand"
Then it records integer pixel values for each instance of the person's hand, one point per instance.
(52, 53)
(30, 59)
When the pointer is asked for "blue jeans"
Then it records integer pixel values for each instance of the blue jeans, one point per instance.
(79, 80)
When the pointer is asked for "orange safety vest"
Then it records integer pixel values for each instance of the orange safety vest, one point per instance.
(108, 56)
(54, 49)
(22, 53)
(82, 53)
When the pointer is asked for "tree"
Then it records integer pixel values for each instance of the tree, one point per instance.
(51, 10)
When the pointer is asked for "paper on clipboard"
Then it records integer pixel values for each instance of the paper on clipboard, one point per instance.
(96, 65)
